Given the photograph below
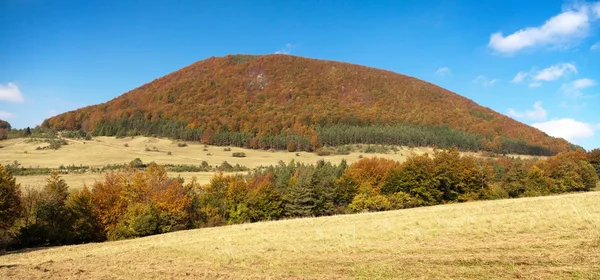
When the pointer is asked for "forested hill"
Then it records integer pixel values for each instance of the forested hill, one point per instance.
(278, 101)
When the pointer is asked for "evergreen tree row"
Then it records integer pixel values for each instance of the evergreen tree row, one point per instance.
(330, 135)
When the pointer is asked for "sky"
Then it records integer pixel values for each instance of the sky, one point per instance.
(537, 61)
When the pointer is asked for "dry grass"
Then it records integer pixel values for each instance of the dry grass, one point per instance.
(109, 150)
(554, 237)
(77, 181)
(102, 151)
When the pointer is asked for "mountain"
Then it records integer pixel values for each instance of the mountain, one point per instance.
(278, 101)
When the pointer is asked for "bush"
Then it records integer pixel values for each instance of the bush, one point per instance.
(125, 145)
(239, 154)
(227, 149)
(181, 145)
(323, 152)
(137, 163)
(169, 153)
(291, 146)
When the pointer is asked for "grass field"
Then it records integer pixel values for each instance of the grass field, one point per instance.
(102, 151)
(556, 237)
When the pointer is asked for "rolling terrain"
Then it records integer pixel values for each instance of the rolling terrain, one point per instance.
(556, 237)
(272, 101)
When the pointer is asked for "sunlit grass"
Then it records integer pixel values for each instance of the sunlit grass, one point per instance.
(554, 237)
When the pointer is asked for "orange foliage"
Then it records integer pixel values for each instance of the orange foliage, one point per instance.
(274, 94)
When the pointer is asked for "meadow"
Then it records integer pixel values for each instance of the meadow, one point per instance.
(102, 151)
(554, 237)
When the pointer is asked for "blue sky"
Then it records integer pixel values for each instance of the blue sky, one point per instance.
(537, 61)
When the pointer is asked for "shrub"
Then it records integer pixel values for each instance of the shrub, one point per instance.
(239, 154)
(181, 145)
(323, 152)
(137, 163)
(125, 145)
(227, 149)
(169, 153)
(291, 146)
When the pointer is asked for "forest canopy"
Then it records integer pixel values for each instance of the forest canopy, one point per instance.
(268, 101)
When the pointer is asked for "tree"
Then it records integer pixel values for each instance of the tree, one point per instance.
(5, 125)
(300, 198)
(10, 205)
(416, 178)
(86, 225)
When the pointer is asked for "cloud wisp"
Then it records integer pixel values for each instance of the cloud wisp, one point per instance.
(574, 88)
(286, 50)
(482, 80)
(535, 78)
(443, 71)
(6, 115)
(538, 113)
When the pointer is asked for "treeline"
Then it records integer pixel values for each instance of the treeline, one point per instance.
(138, 125)
(422, 136)
(330, 135)
(135, 203)
(16, 169)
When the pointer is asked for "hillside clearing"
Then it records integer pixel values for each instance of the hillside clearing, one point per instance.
(532, 238)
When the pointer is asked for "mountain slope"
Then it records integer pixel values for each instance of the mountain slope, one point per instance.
(247, 99)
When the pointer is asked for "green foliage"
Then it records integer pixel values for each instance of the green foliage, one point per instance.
(10, 206)
(140, 220)
(51, 222)
(142, 200)
(85, 223)
(5, 125)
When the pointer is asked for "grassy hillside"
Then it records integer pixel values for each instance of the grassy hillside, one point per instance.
(555, 237)
(272, 100)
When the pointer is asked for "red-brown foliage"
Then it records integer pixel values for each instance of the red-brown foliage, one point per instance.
(274, 94)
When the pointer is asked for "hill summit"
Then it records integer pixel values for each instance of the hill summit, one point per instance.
(282, 101)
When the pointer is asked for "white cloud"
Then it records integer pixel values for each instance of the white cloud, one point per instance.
(537, 114)
(484, 81)
(548, 74)
(520, 77)
(566, 128)
(555, 71)
(6, 115)
(11, 93)
(535, 85)
(595, 47)
(442, 71)
(574, 88)
(563, 29)
(286, 50)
